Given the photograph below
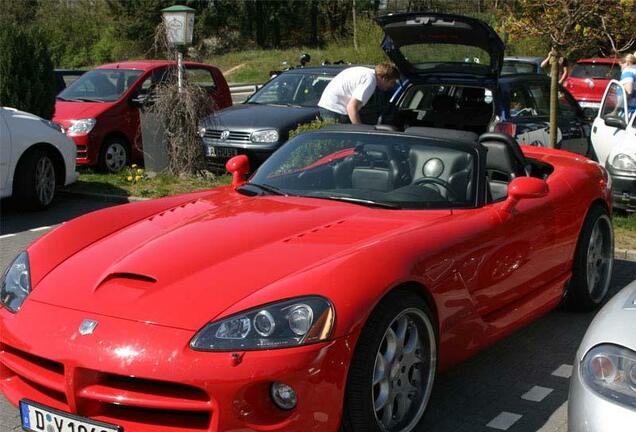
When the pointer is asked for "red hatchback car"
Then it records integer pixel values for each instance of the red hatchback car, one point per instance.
(589, 78)
(100, 111)
(324, 293)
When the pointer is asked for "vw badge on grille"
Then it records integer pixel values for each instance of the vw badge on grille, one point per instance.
(87, 327)
(225, 134)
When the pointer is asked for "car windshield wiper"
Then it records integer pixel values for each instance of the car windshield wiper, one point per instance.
(83, 100)
(361, 201)
(272, 190)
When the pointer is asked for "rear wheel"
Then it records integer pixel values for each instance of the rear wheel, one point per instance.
(393, 368)
(113, 155)
(35, 180)
(593, 262)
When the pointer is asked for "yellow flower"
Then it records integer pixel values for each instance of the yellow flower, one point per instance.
(129, 178)
(140, 171)
(137, 178)
(133, 166)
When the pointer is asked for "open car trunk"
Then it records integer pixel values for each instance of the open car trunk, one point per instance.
(448, 106)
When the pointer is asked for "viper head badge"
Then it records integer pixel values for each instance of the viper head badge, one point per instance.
(87, 327)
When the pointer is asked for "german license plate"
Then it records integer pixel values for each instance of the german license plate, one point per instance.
(224, 152)
(38, 418)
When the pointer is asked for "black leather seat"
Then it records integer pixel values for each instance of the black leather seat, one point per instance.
(376, 168)
(504, 161)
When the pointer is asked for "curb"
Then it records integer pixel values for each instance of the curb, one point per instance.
(625, 254)
(121, 199)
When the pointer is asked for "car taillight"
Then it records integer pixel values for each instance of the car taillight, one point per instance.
(508, 128)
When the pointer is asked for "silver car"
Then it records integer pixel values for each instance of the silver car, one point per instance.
(603, 384)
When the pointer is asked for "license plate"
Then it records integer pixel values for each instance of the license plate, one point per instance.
(38, 418)
(590, 105)
(225, 152)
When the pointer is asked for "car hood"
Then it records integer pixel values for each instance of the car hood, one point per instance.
(411, 29)
(255, 117)
(186, 265)
(614, 324)
(66, 111)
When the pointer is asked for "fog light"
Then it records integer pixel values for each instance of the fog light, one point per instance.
(283, 396)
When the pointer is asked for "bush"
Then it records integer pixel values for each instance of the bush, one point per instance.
(27, 80)
(317, 123)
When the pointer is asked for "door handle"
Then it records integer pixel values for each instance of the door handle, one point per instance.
(594, 129)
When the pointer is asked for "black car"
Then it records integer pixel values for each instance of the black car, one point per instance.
(522, 65)
(452, 68)
(262, 123)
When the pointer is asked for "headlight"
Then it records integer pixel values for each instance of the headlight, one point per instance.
(610, 371)
(623, 162)
(16, 283)
(201, 132)
(265, 136)
(284, 324)
(81, 126)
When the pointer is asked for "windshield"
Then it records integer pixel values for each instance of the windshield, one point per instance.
(511, 67)
(596, 71)
(299, 89)
(386, 171)
(100, 85)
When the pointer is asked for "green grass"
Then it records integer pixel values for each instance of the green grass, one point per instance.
(256, 64)
(625, 230)
(156, 187)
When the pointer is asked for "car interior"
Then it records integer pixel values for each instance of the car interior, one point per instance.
(413, 172)
(458, 107)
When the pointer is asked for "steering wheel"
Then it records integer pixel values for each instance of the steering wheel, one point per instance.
(423, 181)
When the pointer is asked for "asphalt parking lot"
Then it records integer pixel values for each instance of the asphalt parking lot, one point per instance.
(519, 384)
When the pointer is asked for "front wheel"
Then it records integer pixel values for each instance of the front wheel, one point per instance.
(393, 368)
(593, 262)
(113, 156)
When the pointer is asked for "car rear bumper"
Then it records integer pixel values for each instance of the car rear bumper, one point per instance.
(145, 377)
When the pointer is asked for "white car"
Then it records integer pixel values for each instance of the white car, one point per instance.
(614, 141)
(35, 157)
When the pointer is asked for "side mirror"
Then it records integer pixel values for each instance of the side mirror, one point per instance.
(239, 167)
(589, 114)
(138, 100)
(615, 121)
(525, 188)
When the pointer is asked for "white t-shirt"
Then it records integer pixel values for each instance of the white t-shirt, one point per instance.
(355, 82)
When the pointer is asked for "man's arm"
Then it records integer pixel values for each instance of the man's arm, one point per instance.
(544, 63)
(564, 75)
(353, 109)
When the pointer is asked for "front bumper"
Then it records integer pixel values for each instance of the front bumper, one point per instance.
(623, 191)
(86, 153)
(588, 412)
(144, 377)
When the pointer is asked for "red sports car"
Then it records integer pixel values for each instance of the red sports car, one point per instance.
(326, 292)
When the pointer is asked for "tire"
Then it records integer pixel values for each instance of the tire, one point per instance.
(593, 262)
(113, 155)
(35, 180)
(390, 381)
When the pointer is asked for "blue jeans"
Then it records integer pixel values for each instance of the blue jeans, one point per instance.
(326, 114)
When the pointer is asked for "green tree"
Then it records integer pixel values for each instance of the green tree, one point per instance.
(27, 80)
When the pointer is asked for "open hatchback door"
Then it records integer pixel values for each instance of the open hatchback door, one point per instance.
(425, 43)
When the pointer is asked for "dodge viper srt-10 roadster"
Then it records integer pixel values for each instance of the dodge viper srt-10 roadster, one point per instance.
(324, 293)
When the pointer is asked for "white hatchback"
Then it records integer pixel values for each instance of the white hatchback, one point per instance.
(35, 157)
(614, 140)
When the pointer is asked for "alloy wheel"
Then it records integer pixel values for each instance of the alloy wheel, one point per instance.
(44, 180)
(404, 371)
(600, 259)
(115, 157)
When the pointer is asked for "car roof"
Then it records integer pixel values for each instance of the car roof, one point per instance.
(146, 64)
(448, 136)
(324, 69)
(527, 59)
(604, 60)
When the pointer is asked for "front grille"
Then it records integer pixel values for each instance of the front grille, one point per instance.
(121, 400)
(82, 151)
(234, 136)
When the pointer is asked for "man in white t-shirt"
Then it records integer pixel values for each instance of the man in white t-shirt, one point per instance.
(352, 88)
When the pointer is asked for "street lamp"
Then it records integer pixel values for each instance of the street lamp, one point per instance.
(179, 23)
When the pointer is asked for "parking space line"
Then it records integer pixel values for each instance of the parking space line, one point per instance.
(504, 420)
(537, 394)
(7, 235)
(563, 371)
(42, 228)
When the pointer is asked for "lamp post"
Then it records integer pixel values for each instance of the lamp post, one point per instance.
(179, 23)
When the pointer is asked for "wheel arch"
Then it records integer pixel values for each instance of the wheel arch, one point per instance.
(56, 157)
(116, 134)
(421, 291)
